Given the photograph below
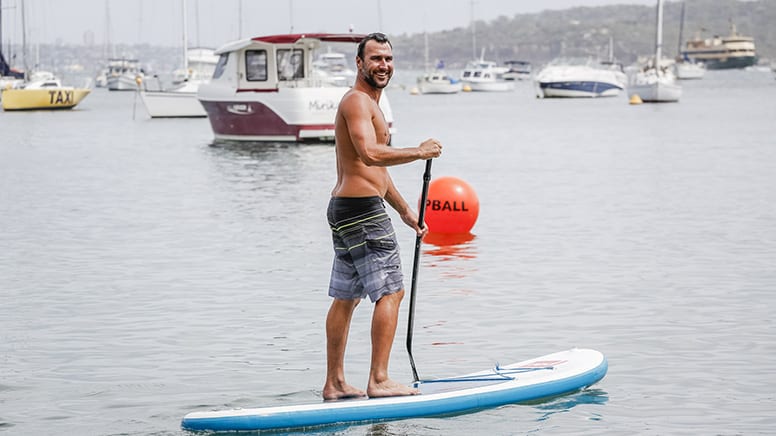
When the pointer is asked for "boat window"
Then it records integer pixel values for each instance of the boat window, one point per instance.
(221, 65)
(290, 64)
(256, 65)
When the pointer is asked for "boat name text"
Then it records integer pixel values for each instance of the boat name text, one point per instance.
(322, 105)
(60, 97)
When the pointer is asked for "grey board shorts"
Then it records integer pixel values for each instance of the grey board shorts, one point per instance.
(366, 254)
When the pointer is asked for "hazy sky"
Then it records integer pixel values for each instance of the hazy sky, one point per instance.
(213, 22)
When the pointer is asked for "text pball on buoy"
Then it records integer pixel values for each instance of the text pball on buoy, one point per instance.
(452, 206)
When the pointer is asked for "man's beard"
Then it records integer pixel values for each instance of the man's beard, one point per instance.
(371, 81)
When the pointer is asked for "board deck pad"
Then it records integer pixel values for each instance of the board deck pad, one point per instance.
(543, 377)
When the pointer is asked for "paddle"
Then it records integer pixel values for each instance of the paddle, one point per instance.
(416, 261)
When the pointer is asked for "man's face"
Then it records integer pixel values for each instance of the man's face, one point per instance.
(377, 66)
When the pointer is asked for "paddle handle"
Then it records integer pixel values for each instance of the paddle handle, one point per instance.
(424, 194)
(415, 264)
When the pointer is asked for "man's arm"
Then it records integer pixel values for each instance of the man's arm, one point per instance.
(358, 111)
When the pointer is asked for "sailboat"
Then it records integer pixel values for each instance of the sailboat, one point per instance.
(437, 81)
(181, 102)
(655, 82)
(684, 67)
(40, 90)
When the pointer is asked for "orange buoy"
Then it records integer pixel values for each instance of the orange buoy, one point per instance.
(452, 206)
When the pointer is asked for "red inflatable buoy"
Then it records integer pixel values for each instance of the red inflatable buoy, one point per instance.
(452, 206)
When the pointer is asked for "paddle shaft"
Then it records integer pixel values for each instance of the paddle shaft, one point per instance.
(415, 263)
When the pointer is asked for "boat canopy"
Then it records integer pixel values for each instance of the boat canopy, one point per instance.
(325, 37)
(290, 39)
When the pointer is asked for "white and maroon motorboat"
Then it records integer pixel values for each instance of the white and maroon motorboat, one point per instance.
(268, 89)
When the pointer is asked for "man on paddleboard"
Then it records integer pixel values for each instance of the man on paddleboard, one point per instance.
(366, 260)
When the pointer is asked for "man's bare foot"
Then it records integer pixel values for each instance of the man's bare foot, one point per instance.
(340, 391)
(390, 388)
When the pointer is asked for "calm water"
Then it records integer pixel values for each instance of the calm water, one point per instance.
(145, 273)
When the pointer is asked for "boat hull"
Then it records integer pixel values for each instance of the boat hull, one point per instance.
(42, 99)
(490, 86)
(283, 114)
(579, 89)
(161, 104)
(729, 63)
(122, 83)
(439, 88)
(656, 92)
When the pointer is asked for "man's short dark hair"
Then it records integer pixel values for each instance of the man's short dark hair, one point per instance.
(377, 37)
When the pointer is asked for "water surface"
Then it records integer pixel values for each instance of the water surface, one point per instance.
(146, 273)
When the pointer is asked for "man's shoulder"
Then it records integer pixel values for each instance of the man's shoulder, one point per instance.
(356, 100)
(355, 95)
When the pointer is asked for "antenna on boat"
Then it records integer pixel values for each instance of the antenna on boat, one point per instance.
(291, 15)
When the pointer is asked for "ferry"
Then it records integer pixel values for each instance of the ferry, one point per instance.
(726, 52)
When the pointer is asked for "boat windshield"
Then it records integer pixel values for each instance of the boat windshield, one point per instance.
(221, 65)
(290, 64)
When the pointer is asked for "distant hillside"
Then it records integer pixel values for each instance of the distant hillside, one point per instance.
(538, 38)
(586, 31)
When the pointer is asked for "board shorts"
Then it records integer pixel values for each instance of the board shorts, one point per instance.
(366, 254)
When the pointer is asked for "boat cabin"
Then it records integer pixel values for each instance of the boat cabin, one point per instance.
(271, 62)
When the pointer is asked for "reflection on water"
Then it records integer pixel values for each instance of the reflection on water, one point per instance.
(451, 245)
(565, 403)
(450, 252)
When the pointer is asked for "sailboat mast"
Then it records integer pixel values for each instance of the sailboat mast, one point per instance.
(110, 48)
(425, 51)
(1, 27)
(681, 32)
(474, 33)
(185, 39)
(659, 34)
(24, 44)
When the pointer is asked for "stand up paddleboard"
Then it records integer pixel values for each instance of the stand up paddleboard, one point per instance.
(542, 377)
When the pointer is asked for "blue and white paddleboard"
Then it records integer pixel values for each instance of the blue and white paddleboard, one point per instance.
(546, 376)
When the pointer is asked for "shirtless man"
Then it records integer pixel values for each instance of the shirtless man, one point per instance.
(366, 258)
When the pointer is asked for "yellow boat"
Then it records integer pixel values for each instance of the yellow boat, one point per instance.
(43, 94)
